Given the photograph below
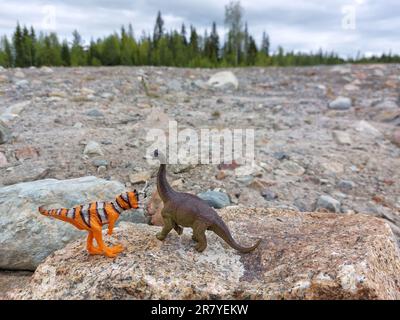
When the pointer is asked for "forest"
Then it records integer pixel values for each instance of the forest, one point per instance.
(178, 48)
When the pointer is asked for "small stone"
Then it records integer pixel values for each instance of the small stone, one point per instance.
(93, 148)
(215, 199)
(5, 133)
(223, 79)
(220, 101)
(220, 175)
(78, 125)
(3, 160)
(19, 74)
(140, 177)
(94, 113)
(100, 163)
(396, 137)
(26, 152)
(346, 185)
(269, 195)
(101, 169)
(328, 203)
(260, 184)
(248, 171)
(177, 183)
(45, 69)
(340, 103)
(342, 137)
(292, 168)
(22, 83)
(367, 129)
(280, 155)
(106, 95)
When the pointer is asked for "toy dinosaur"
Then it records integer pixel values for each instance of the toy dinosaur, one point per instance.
(187, 210)
(93, 216)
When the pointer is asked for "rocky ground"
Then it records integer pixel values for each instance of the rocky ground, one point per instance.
(327, 138)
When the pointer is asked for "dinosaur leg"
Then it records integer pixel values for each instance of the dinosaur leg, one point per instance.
(178, 229)
(89, 244)
(168, 226)
(117, 248)
(108, 251)
(199, 234)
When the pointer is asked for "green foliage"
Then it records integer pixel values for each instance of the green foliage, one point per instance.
(163, 48)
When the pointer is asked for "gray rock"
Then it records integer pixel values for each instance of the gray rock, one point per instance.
(95, 113)
(174, 85)
(27, 237)
(22, 83)
(223, 79)
(5, 133)
(292, 168)
(346, 185)
(269, 195)
(215, 199)
(328, 203)
(280, 155)
(93, 148)
(340, 103)
(342, 137)
(100, 162)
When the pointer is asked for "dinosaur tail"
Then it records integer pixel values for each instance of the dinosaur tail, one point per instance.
(49, 213)
(223, 232)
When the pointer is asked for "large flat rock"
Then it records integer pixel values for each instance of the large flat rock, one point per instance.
(302, 256)
(26, 237)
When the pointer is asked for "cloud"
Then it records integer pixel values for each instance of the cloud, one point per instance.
(296, 25)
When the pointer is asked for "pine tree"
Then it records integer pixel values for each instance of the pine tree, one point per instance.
(18, 47)
(183, 34)
(111, 51)
(65, 54)
(158, 29)
(233, 19)
(6, 59)
(265, 44)
(251, 54)
(77, 53)
(193, 44)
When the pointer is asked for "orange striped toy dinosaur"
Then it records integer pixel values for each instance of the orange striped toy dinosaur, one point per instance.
(93, 216)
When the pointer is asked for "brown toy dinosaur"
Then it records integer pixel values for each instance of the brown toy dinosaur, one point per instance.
(187, 210)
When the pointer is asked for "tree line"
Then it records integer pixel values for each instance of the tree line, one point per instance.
(178, 48)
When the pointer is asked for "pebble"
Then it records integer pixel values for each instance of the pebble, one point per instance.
(100, 163)
(5, 133)
(346, 185)
(269, 195)
(342, 137)
(93, 148)
(101, 169)
(215, 199)
(328, 203)
(340, 103)
(3, 160)
(292, 168)
(280, 155)
(396, 137)
(140, 177)
(94, 113)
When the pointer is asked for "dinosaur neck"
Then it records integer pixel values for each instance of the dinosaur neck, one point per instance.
(164, 189)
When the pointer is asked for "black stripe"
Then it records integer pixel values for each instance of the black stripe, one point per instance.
(129, 201)
(119, 197)
(73, 213)
(83, 219)
(97, 212)
(115, 208)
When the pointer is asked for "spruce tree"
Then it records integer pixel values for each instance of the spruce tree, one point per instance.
(158, 29)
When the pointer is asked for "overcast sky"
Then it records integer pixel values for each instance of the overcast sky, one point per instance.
(299, 25)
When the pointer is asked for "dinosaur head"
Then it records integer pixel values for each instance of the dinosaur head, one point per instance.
(157, 154)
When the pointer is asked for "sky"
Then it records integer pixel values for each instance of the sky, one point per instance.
(344, 26)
